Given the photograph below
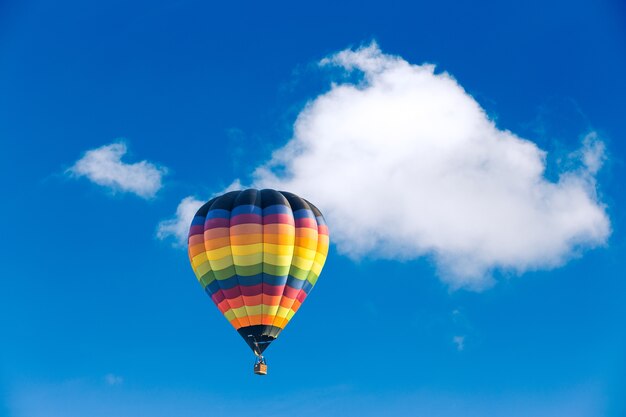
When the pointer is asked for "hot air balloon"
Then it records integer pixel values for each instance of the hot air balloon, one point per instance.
(258, 254)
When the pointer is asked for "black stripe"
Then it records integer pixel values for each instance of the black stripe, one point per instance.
(259, 337)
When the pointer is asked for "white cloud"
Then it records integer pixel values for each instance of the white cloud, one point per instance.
(104, 167)
(112, 379)
(593, 153)
(178, 226)
(405, 163)
(459, 342)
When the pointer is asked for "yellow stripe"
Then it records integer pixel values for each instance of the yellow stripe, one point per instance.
(317, 268)
(282, 312)
(199, 259)
(225, 262)
(277, 249)
(246, 311)
(320, 257)
(277, 260)
(304, 252)
(241, 311)
(306, 242)
(198, 275)
(202, 268)
(248, 260)
(216, 254)
(304, 264)
(241, 250)
(270, 310)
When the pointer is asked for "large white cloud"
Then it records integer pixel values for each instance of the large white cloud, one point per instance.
(104, 167)
(405, 163)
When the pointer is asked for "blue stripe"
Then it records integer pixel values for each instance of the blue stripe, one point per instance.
(276, 209)
(233, 281)
(274, 280)
(307, 286)
(247, 209)
(198, 221)
(295, 282)
(252, 280)
(320, 221)
(218, 213)
(229, 283)
(303, 213)
(212, 288)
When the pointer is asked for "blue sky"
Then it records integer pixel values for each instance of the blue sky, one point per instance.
(99, 316)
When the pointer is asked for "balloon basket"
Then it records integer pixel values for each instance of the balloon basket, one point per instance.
(260, 368)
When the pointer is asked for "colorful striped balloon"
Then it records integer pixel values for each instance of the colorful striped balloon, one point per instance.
(258, 254)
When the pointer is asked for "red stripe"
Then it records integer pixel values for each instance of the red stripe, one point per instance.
(218, 297)
(246, 218)
(217, 222)
(232, 292)
(306, 222)
(273, 289)
(301, 296)
(290, 292)
(251, 290)
(196, 230)
(278, 218)
(254, 290)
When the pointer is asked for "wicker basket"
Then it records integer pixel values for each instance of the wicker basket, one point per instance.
(260, 369)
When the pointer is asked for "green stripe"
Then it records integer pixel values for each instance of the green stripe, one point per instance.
(225, 273)
(277, 271)
(312, 278)
(250, 270)
(207, 278)
(298, 273)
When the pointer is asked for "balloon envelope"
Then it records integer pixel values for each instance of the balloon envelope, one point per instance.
(258, 254)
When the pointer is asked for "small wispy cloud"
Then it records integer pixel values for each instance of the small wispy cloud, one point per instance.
(459, 342)
(112, 379)
(104, 166)
(177, 227)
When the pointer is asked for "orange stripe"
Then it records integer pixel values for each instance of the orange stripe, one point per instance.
(271, 300)
(281, 323)
(253, 300)
(261, 319)
(217, 232)
(223, 306)
(246, 229)
(279, 239)
(211, 244)
(286, 302)
(278, 229)
(245, 321)
(236, 302)
(246, 239)
(196, 239)
(256, 319)
(196, 249)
